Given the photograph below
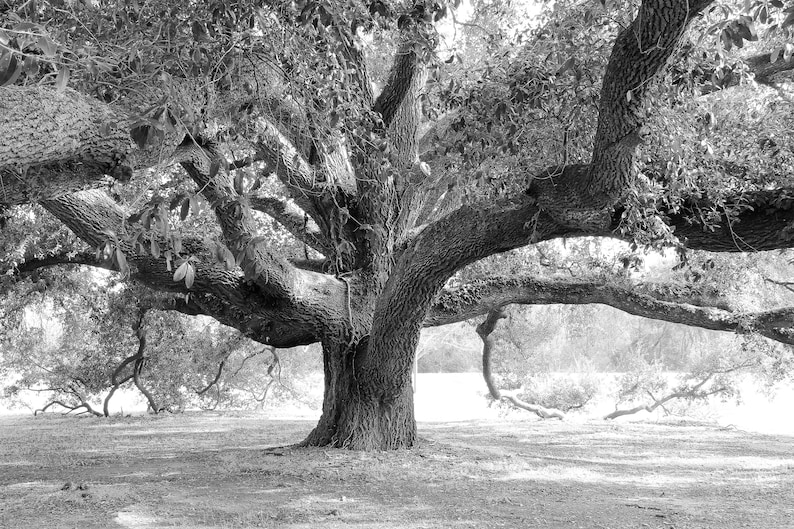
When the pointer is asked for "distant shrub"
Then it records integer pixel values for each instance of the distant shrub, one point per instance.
(563, 392)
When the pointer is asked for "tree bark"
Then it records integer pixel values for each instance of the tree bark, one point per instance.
(55, 143)
(358, 412)
(485, 330)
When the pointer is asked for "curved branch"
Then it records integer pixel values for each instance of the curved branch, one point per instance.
(116, 385)
(83, 404)
(223, 294)
(215, 380)
(682, 392)
(139, 357)
(467, 301)
(485, 329)
(136, 379)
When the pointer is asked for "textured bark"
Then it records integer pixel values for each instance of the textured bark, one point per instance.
(582, 195)
(357, 413)
(485, 329)
(58, 142)
(640, 52)
(379, 413)
(271, 272)
(316, 302)
(764, 224)
(761, 66)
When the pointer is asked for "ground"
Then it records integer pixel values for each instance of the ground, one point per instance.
(212, 470)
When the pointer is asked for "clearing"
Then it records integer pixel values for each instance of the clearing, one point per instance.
(211, 470)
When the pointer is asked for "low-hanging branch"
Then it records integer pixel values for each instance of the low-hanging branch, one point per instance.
(116, 385)
(485, 330)
(478, 297)
(86, 405)
(684, 391)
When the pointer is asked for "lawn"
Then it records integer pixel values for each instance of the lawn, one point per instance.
(213, 470)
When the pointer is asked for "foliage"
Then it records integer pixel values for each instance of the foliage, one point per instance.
(711, 372)
(561, 392)
(64, 345)
(448, 349)
(67, 340)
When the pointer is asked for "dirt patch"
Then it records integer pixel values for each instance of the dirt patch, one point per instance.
(212, 471)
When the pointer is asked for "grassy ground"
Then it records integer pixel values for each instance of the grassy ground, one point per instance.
(211, 471)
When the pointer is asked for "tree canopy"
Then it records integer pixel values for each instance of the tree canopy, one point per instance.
(319, 171)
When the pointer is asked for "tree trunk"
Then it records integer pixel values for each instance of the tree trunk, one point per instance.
(365, 411)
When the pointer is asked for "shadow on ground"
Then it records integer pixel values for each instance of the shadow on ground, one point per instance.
(212, 471)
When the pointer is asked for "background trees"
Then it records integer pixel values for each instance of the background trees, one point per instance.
(81, 337)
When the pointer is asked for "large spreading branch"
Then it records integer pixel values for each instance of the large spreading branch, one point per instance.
(56, 142)
(316, 299)
(477, 298)
(581, 195)
(273, 274)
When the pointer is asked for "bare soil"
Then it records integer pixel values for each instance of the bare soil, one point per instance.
(213, 470)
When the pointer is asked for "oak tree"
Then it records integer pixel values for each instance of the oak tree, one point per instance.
(391, 180)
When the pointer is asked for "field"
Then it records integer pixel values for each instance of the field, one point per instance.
(213, 470)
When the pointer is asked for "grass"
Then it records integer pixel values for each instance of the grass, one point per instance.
(211, 471)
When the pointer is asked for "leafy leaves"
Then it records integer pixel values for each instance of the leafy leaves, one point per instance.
(186, 271)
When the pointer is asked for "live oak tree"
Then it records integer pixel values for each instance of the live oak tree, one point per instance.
(99, 93)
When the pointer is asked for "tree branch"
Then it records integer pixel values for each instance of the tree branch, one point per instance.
(223, 294)
(682, 392)
(765, 222)
(57, 142)
(294, 219)
(470, 300)
(581, 195)
(761, 66)
(485, 329)
(270, 272)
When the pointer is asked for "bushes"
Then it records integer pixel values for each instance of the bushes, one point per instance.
(564, 392)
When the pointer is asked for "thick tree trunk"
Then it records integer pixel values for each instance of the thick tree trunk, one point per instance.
(365, 412)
